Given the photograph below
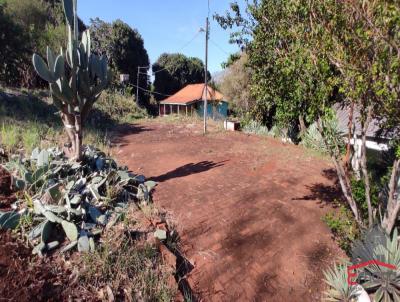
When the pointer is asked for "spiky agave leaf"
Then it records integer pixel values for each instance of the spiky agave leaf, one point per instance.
(388, 280)
(364, 249)
(339, 289)
(384, 281)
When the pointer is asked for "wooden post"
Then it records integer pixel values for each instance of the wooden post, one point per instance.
(170, 109)
(186, 109)
(165, 113)
(206, 81)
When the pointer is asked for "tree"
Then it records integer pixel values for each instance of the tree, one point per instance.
(284, 77)
(231, 59)
(12, 51)
(175, 71)
(235, 86)
(124, 47)
(41, 24)
(307, 55)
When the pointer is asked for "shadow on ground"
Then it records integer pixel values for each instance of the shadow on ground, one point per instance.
(188, 169)
(325, 193)
(123, 131)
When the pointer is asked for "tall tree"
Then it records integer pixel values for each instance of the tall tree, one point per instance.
(175, 71)
(41, 23)
(235, 86)
(13, 52)
(125, 50)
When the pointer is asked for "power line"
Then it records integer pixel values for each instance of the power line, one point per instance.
(219, 47)
(149, 91)
(182, 48)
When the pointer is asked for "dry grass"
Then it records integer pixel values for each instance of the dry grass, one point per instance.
(128, 265)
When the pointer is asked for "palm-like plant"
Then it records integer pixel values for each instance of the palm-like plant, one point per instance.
(383, 281)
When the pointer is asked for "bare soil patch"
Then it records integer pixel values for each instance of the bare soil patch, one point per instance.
(248, 209)
(25, 278)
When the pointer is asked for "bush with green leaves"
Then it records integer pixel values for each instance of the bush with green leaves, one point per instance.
(358, 189)
(312, 139)
(254, 127)
(343, 227)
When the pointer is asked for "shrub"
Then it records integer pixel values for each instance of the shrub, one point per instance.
(113, 107)
(343, 227)
(312, 139)
(254, 127)
(358, 189)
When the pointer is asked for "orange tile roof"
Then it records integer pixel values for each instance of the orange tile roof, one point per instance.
(192, 93)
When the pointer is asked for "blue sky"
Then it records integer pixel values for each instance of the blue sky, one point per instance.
(167, 25)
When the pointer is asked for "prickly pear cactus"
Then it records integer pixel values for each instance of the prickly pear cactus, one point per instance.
(76, 78)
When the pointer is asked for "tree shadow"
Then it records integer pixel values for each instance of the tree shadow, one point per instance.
(28, 107)
(123, 130)
(188, 169)
(327, 194)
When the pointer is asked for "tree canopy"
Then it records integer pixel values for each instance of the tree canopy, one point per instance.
(29, 26)
(124, 47)
(308, 55)
(175, 71)
(235, 86)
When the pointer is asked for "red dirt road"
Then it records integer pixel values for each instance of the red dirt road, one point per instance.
(248, 209)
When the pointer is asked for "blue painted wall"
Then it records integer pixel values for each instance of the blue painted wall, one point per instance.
(214, 110)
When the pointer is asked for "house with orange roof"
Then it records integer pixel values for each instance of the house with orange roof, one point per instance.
(190, 101)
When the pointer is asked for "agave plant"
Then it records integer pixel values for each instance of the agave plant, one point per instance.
(339, 288)
(383, 281)
(312, 139)
(76, 78)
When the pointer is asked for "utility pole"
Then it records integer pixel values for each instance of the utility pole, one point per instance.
(206, 80)
(137, 86)
(137, 82)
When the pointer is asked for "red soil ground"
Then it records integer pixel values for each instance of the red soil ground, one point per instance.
(23, 278)
(248, 209)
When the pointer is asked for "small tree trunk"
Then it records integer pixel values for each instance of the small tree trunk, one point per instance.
(393, 204)
(349, 137)
(78, 137)
(346, 189)
(73, 127)
(364, 168)
(68, 121)
(302, 123)
(343, 179)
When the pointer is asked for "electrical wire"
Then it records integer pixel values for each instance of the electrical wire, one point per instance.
(219, 47)
(149, 91)
(182, 48)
